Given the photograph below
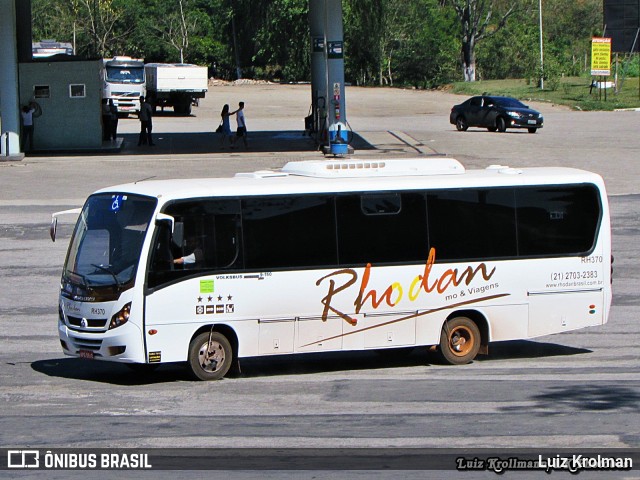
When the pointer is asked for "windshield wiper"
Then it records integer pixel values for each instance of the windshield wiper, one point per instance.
(82, 277)
(108, 270)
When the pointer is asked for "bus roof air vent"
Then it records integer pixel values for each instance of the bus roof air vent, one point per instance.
(375, 168)
(261, 174)
(504, 169)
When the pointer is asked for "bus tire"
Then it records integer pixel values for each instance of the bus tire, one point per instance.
(459, 341)
(210, 365)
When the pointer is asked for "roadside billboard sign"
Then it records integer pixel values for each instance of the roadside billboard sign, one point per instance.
(600, 56)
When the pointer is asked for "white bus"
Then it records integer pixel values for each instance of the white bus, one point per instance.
(334, 256)
(48, 48)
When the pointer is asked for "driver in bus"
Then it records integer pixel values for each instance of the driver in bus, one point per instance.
(190, 260)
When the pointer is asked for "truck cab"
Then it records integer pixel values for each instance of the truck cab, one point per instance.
(124, 82)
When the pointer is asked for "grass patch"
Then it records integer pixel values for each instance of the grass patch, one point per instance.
(571, 91)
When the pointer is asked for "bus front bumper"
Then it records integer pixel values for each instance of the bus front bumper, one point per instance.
(123, 344)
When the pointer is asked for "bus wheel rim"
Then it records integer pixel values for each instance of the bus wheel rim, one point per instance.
(461, 341)
(211, 356)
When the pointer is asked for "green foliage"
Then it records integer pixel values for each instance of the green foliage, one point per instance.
(387, 42)
(364, 33)
(286, 28)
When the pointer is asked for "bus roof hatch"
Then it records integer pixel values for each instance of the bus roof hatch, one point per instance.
(375, 168)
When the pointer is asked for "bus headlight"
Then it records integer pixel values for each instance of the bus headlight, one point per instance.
(121, 317)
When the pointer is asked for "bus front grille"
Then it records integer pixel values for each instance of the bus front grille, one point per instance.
(90, 324)
(86, 344)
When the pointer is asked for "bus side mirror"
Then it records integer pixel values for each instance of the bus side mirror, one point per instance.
(177, 232)
(53, 228)
(54, 221)
(163, 217)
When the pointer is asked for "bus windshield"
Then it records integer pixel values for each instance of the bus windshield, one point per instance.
(125, 74)
(107, 241)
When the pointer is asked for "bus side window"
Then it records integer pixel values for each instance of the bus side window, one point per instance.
(557, 220)
(467, 224)
(226, 249)
(161, 263)
(382, 228)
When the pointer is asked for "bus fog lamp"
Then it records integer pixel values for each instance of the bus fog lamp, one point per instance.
(121, 317)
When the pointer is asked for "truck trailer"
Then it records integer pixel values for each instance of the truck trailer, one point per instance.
(177, 85)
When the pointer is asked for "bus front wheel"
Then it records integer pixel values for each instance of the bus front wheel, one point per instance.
(459, 341)
(210, 356)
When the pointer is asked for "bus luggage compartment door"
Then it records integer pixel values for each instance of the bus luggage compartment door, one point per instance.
(554, 312)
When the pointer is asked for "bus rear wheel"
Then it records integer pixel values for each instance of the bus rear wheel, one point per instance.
(459, 341)
(210, 356)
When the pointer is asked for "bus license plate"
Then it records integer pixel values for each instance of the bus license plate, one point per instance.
(88, 354)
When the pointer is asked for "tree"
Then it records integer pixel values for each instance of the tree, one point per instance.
(105, 24)
(177, 27)
(282, 41)
(475, 17)
(363, 36)
(419, 43)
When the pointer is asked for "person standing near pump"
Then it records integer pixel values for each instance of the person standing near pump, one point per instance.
(27, 125)
(106, 120)
(113, 126)
(241, 132)
(145, 115)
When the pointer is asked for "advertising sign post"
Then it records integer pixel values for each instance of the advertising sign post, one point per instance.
(601, 59)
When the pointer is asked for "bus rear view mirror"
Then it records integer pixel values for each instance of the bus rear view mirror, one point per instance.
(53, 228)
(54, 221)
(168, 219)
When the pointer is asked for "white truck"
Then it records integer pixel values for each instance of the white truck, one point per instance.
(124, 82)
(179, 85)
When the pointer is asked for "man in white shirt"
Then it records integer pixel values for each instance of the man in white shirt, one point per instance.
(241, 132)
(145, 115)
(27, 126)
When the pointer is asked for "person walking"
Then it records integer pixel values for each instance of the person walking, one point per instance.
(145, 115)
(27, 126)
(241, 132)
(226, 125)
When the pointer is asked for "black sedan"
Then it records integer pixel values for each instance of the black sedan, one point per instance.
(495, 113)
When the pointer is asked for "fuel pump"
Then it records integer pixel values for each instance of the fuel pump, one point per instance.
(327, 75)
(338, 144)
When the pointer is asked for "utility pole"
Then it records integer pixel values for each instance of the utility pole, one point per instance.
(541, 48)
(235, 42)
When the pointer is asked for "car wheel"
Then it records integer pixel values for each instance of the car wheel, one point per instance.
(532, 130)
(461, 124)
(501, 125)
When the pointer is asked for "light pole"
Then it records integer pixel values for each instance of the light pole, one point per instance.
(541, 49)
